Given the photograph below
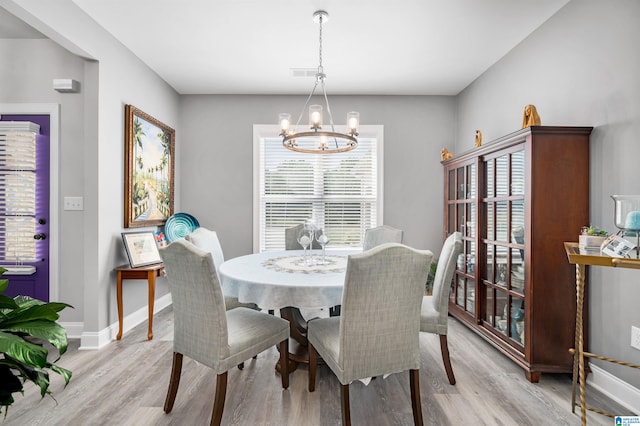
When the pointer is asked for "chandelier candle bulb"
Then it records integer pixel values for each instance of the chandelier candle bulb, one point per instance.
(285, 121)
(323, 142)
(353, 119)
(315, 116)
(632, 222)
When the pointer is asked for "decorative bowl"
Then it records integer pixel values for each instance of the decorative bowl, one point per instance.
(179, 226)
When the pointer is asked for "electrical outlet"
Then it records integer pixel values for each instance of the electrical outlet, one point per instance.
(635, 337)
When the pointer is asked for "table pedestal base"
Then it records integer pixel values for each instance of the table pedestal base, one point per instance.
(298, 343)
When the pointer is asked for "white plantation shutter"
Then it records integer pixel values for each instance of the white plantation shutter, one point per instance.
(17, 191)
(338, 192)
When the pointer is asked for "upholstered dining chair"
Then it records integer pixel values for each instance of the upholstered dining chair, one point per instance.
(378, 332)
(207, 240)
(291, 239)
(206, 332)
(380, 235)
(435, 308)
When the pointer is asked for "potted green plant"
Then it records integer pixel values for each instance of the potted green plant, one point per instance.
(431, 277)
(591, 237)
(26, 326)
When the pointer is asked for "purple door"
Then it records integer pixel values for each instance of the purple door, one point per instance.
(37, 284)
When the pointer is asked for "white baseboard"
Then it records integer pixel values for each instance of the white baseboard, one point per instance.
(74, 329)
(93, 340)
(618, 390)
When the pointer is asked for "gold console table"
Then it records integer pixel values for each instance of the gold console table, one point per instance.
(582, 259)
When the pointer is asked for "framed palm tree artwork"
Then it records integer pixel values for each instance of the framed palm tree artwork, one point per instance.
(149, 169)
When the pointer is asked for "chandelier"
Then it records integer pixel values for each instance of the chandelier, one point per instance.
(318, 141)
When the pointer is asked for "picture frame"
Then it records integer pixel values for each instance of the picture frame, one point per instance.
(616, 246)
(149, 170)
(141, 248)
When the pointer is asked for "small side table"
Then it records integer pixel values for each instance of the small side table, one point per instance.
(582, 259)
(148, 272)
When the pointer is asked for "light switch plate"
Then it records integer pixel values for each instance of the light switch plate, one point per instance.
(73, 203)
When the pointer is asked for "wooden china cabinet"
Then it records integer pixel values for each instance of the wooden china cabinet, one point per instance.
(516, 200)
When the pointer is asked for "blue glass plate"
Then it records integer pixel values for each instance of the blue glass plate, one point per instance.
(179, 226)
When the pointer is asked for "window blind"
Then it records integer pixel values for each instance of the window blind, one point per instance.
(337, 192)
(18, 191)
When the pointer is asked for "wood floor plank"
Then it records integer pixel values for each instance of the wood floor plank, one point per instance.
(126, 382)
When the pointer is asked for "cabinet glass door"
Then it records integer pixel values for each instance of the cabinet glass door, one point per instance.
(503, 273)
(462, 217)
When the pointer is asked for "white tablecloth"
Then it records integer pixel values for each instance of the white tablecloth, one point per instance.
(275, 280)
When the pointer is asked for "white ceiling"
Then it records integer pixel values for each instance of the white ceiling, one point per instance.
(403, 47)
(12, 27)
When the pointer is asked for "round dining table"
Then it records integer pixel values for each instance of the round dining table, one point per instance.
(287, 281)
(277, 279)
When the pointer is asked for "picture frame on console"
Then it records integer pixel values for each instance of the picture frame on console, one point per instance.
(141, 248)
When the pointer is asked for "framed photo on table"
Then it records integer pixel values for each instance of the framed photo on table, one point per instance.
(141, 248)
(149, 169)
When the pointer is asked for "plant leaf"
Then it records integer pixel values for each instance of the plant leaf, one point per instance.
(66, 374)
(27, 302)
(3, 283)
(25, 371)
(22, 351)
(42, 380)
(10, 384)
(7, 303)
(41, 329)
(45, 311)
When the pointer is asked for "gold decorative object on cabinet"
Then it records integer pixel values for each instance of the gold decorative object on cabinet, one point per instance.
(531, 117)
(478, 138)
(445, 154)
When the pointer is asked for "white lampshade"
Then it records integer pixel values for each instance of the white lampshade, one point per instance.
(315, 116)
(285, 122)
(353, 122)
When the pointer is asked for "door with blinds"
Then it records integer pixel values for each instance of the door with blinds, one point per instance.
(24, 204)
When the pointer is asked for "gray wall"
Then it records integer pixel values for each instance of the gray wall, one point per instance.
(24, 79)
(92, 148)
(217, 160)
(581, 68)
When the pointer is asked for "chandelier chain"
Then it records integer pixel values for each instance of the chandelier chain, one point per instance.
(320, 69)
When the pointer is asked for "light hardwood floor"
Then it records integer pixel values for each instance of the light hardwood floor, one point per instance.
(125, 383)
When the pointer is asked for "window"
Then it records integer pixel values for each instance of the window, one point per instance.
(18, 192)
(341, 193)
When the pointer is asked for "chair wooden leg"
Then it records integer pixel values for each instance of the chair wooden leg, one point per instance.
(344, 403)
(284, 363)
(174, 382)
(218, 400)
(414, 383)
(313, 365)
(444, 348)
